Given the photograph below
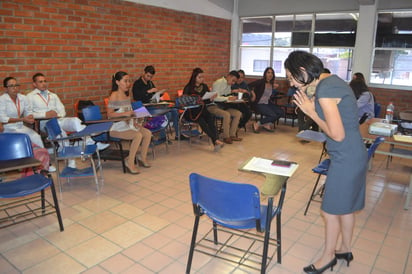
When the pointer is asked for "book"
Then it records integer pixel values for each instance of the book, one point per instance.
(262, 165)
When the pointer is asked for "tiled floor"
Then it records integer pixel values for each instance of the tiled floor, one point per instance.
(142, 223)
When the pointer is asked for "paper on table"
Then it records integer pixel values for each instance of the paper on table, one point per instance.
(142, 112)
(208, 95)
(265, 166)
(157, 95)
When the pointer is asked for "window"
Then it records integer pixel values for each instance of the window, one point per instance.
(329, 36)
(393, 49)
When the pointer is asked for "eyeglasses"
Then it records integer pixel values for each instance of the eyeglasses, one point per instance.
(13, 86)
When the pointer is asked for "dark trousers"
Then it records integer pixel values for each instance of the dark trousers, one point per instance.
(270, 113)
(205, 120)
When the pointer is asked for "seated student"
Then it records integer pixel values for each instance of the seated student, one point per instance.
(231, 116)
(262, 103)
(144, 89)
(240, 86)
(196, 87)
(46, 104)
(364, 98)
(14, 112)
(120, 105)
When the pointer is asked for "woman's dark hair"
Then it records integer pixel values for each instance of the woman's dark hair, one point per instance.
(358, 86)
(117, 77)
(192, 81)
(7, 79)
(359, 75)
(272, 81)
(312, 65)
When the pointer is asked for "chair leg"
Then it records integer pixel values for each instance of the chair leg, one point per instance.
(279, 236)
(267, 235)
(96, 180)
(192, 244)
(43, 202)
(312, 194)
(56, 204)
(215, 240)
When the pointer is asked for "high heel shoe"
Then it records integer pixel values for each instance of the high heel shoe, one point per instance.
(311, 269)
(347, 256)
(142, 163)
(256, 127)
(132, 171)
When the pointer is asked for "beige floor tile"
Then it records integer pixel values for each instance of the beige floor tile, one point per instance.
(65, 264)
(93, 251)
(127, 234)
(102, 222)
(30, 253)
(117, 264)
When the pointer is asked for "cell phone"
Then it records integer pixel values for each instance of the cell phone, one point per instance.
(281, 163)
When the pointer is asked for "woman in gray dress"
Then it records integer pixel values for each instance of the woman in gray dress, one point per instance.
(334, 109)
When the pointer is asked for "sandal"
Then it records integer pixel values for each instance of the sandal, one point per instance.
(142, 163)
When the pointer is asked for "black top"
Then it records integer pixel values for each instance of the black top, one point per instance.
(200, 91)
(140, 90)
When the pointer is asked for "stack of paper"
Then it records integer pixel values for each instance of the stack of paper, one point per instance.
(265, 166)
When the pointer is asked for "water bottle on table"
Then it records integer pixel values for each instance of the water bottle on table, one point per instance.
(389, 112)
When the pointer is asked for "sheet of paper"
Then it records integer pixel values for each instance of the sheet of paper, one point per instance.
(265, 166)
(142, 112)
(208, 95)
(157, 95)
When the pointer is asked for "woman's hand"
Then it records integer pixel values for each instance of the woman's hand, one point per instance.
(303, 102)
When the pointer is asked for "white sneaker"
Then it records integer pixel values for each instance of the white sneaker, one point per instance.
(72, 163)
(52, 168)
(102, 146)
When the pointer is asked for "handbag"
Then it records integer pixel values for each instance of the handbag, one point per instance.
(191, 100)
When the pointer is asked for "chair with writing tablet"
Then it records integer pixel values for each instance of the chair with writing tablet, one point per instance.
(323, 167)
(235, 209)
(92, 114)
(24, 205)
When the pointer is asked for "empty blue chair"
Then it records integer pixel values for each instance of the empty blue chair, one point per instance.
(16, 150)
(323, 167)
(231, 207)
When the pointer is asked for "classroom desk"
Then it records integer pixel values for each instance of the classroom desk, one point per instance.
(395, 149)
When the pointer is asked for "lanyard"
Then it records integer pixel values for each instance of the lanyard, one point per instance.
(17, 104)
(44, 100)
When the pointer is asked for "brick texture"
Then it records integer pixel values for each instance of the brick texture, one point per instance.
(79, 44)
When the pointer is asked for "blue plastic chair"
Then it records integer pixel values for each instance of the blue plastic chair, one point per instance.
(289, 107)
(186, 127)
(16, 149)
(92, 113)
(323, 167)
(231, 207)
(63, 152)
(377, 110)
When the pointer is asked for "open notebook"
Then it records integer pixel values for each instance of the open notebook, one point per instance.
(265, 166)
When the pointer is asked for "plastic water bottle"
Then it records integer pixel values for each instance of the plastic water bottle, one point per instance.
(389, 112)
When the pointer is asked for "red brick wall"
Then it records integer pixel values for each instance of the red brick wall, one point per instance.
(79, 44)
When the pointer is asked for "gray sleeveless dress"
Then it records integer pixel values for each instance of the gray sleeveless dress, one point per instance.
(346, 180)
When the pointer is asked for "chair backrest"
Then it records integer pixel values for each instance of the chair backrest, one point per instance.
(377, 109)
(15, 146)
(137, 104)
(92, 113)
(179, 92)
(225, 201)
(53, 129)
(374, 146)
